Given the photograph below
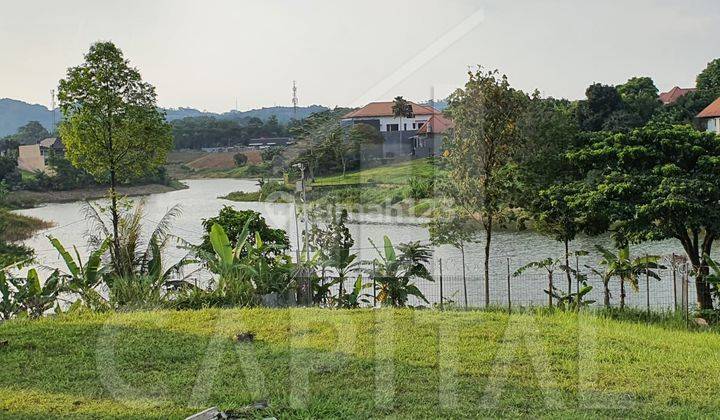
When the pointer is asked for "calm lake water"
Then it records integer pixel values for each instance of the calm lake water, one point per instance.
(201, 201)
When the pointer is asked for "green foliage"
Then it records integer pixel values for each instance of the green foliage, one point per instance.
(355, 298)
(452, 230)
(640, 96)
(480, 154)
(111, 125)
(401, 107)
(84, 279)
(30, 133)
(656, 183)
(708, 82)
(626, 269)
(207, 131)
(36, 297)
(394, 271)
(234, 221)
(240, 159)
(420, 188)
(602, 102)
(245, 265)
(9, 172)
(269, 154)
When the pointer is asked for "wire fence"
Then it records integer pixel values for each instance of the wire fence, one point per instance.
(674, 289)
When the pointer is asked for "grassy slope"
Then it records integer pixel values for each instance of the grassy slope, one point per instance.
(19, 227)
(398, 173)
(66, 367)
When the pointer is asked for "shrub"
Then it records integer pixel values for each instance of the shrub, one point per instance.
(421, 187)
(240, 159)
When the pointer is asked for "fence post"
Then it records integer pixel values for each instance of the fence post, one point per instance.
(442, 307)
(647, 286)
(686, 294)
(509, 301)
(674, 280)
(374, 286)
(577, 279)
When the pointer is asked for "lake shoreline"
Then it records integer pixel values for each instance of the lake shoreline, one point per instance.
(29, 199)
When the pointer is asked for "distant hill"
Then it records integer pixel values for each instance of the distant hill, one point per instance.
(14, 114)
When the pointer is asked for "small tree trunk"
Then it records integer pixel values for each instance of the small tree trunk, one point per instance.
(622, 293)
(115, 221)
(702, 287)
(550, 289)
(606, 287)
(567, 268)
(488, 239)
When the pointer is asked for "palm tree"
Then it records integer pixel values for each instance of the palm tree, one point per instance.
(626, 269)
(401, 108)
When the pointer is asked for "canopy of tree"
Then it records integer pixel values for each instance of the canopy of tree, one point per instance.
(655, 183)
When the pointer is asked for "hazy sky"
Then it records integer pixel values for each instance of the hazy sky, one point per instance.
(208, 54)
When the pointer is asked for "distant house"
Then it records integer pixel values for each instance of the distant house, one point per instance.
(32, 157)
(268, 142)
(671, 96)
(710, 117)
(429, 139)
(399, 133)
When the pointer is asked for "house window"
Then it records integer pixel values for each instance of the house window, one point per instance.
(392, 127)
(405, 127)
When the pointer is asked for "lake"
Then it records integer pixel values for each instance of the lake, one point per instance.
(201, 201)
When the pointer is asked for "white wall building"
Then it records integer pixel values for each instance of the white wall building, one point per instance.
(710, 116)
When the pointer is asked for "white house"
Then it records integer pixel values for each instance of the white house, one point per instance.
(710, 117)
(397, 131)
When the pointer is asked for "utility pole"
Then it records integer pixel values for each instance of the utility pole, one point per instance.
(301, 166)
(294, 100)
(52, 110)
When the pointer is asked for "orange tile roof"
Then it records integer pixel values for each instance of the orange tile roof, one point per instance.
(674, 94)
(712, 111)
(438, 123)
(384, 109)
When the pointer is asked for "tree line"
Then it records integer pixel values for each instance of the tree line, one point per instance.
(618, 161)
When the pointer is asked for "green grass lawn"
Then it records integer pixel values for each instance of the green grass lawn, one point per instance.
(398, 173)
(310, 363)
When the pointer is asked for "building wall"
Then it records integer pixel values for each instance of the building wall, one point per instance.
(407, 123)
(381, 123)
(713, 125)
(30, 159)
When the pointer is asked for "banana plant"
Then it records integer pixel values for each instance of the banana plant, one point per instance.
(627, 269)
(9, 305)
(355, 298)
(84, 279)
(572, 301)
(247, 262)
(394, 272)
(549, 265)
(35, 298)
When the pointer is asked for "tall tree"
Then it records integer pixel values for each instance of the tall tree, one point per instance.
(602, 101)
(708, 81)
(30, 133)
(452, 230)
(486, 113)
(640, 96)
(656, 183)
(111, 127)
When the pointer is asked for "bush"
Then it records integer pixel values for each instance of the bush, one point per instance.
(420, 188)
(240, 159)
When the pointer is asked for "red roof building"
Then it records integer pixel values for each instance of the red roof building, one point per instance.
(384, 109)
(674, 94)
(710, 117)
